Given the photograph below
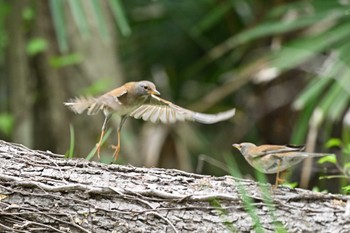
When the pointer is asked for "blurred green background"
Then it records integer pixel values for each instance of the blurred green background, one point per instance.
(283, 64)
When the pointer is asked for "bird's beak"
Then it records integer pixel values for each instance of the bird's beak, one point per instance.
(154, 92)
(238, 146)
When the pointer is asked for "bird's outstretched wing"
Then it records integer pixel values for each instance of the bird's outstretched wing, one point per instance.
(158, 109)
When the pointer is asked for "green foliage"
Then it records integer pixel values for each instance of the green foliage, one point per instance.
(333, 142)
(120, 18)
(196, 49)
(6, 123)
(347, 166)
(72, 142)
(346, 149)
(223, 213)
(328, 159)
(36, 45)
(291, 185)
(99, 14)
(57, 9)
(70, 152)
(319, 37)
(343, 164)
(81, 16)
(316, 189)
(248, 203)
(67, 60)
(28, 14)
(346, 189)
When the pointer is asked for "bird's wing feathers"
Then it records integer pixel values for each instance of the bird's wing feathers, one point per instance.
(276, 149)
(158, 109)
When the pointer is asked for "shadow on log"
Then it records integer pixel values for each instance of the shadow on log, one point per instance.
(43, 192)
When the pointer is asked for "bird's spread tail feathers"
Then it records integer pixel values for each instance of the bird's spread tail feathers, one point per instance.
(79, 105)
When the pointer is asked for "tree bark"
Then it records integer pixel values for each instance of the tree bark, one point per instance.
(43, 192)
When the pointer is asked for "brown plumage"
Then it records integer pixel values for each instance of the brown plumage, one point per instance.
(139, 100)
(271, 159)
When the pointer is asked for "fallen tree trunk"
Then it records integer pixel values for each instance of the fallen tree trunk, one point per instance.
(43, 192)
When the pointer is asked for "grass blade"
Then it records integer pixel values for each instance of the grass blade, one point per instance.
(79, 17)
(93, 151)
(100, 19)
(72, 142)
(120, 18)
(57, 9)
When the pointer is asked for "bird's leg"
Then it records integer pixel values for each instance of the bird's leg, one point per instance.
(277, 182)
(117, 147)
(282, 176)
(99, 144)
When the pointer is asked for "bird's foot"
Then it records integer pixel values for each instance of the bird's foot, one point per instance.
(98, 147)
(279, 181)
(116, 152)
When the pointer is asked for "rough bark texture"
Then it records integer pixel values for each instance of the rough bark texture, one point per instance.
(43, 192)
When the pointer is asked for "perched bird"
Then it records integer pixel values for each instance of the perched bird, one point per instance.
(139, 100)
(273, 158)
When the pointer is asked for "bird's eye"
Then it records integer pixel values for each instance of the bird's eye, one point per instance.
(145, 87)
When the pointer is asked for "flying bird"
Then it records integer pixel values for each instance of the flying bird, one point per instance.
(139, 100)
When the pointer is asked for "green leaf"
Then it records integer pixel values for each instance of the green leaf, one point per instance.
(300, 50)
(6, 123)
(301, 127)
(333, 142)
(328, 99)
(328, 159)
(28, 13)
(278, 27)
(317, 189)
(339, 105)
(36, 45)
(67, 60)
(211, 18)
(346, 188)
(290, 185)
(313, 90)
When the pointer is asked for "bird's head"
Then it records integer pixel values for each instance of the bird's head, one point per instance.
(146, 88)
(244, 147)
